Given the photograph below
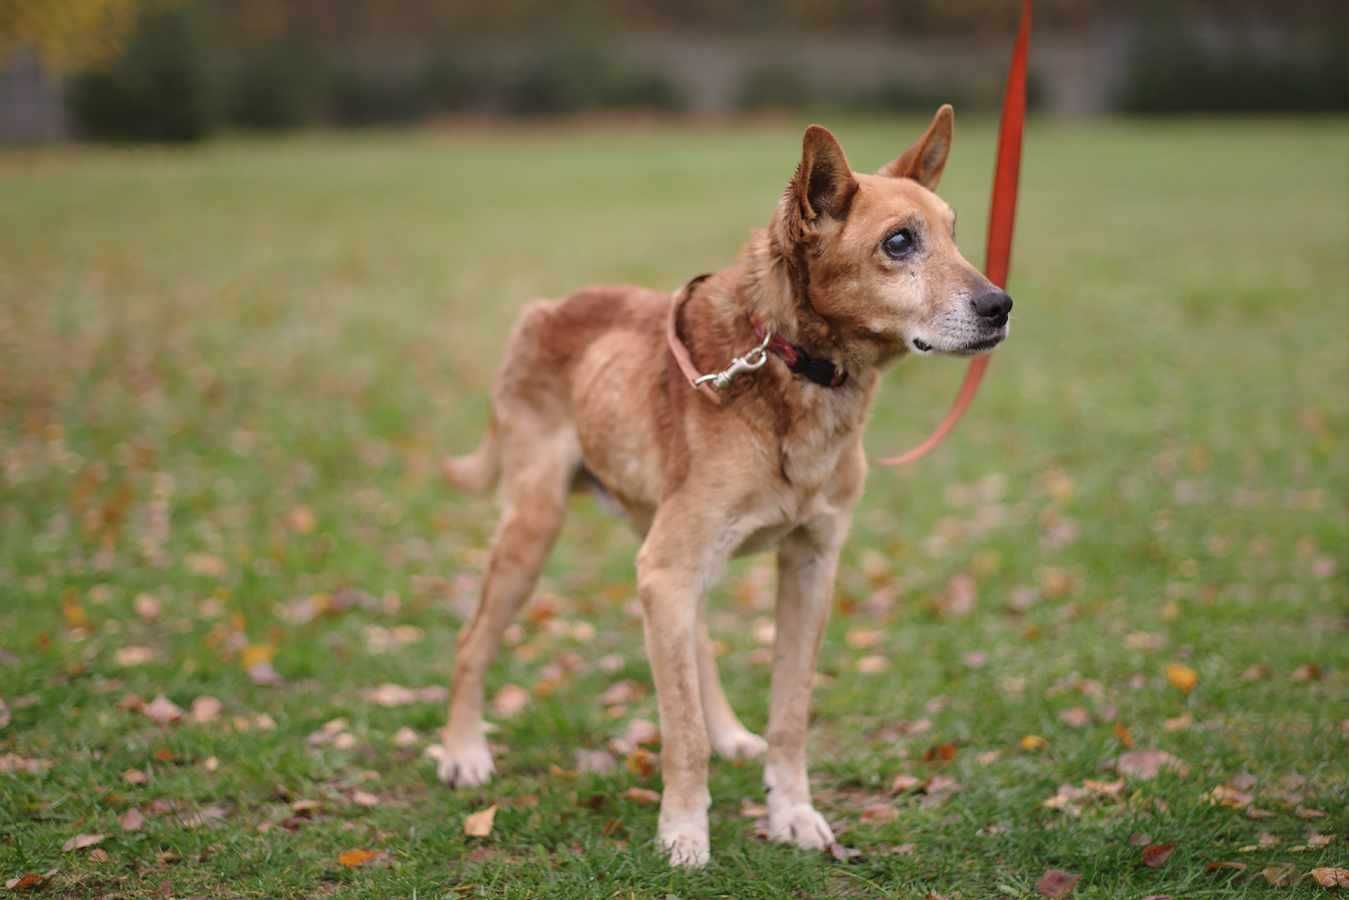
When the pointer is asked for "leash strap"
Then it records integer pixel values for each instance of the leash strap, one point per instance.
(1001, 222)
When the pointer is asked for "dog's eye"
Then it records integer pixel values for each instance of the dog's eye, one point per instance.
(899, 245)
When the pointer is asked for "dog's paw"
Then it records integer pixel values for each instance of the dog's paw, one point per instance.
(800, 825)
(686, 846)
(739, 743)
(465, 763)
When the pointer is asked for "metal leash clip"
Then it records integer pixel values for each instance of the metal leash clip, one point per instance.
(751, 361)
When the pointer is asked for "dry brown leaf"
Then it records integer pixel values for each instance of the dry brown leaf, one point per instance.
(1032, 742)
(135, 776)
(1307, 672)
(842, 853)
(961, 596)
(1217, 866)
(131, 820)
(479, 824)
(1147, 764)
(1280, 876)
(879, 813)
(147, 607)
(1075, 717)
(405, 737)
(1306, 812)
(354, 859)
(599, 762)
(1331, 877)
(365, 798)
(127, 657)
(864, 638)
(1315, 839)
(1182, 677)
(29, 881)
(1056, 883)
(641, 762)
(625, 691)
(872, 664)
(81, 841)
(1156, 855)
(1179, 723)
(163, 710)
(904, 783)
(1226, 795)
(642, 795)
(1123, 735)
(510, 700)
(205, 709)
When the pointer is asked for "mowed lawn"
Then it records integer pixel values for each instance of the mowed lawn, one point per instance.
(227, 376)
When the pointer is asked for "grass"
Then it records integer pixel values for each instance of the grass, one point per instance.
(229, 374)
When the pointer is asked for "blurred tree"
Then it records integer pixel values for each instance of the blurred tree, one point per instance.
(70, 34)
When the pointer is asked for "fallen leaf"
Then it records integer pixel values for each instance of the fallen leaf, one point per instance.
(1156, 855)
(1226, 795)
(1032, 742)
(940, 752)
(599, 762)
(1056, 883)
(301, 519)
(842, 853)
(29, 881)
(872, 664)
(1307, 672)
(510, 700)
(1182, 677)
(641, 762)
(1123, 735)
(479, 824)
(864, 638)
(1331, 877)
(206, 564)
(205, 709)
(131, 820)
(1146, 764)
(879, 813)
(405, 737)
(642, 795)
(147, 607)
(264, 674)
(1075, 717)
(961, 596)
(127, 657)
(1179, 723)
(1280, 876)
(365, 798)
(1217, 866)
(81, 841)
(1306, 812)
(135, 776)
(903, 783)
(1319, 840)
(163, 710)
(625, 691)
(12, 762)
(751, 810)
(354, 859)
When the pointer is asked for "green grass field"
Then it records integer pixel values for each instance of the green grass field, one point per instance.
(228, 375)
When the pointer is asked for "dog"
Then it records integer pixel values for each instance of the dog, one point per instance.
(853, 272)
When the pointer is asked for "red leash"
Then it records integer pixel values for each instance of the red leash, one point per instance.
(1001, 220)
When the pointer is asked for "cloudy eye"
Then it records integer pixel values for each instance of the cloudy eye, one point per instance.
(900, 244)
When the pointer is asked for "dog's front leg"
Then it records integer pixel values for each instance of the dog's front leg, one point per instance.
(807, 561)
(673, 569)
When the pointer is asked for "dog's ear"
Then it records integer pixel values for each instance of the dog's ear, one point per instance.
(925, 160)
(823, 184)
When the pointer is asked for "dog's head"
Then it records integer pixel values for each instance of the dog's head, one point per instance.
(875, 256)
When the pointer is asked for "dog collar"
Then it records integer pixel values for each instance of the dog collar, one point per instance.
(813, 368)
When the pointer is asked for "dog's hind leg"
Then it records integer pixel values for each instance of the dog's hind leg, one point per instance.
(537, 472)
(729, 738)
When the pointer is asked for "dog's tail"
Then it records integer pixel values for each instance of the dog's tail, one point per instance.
(476, 472)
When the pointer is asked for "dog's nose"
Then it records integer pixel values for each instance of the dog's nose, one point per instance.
(994, 305)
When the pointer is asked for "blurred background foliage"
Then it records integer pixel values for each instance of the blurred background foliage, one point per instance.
(180, 70)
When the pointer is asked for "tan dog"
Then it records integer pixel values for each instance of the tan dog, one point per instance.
(852, 272)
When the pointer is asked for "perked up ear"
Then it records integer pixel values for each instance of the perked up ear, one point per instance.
(824, 183)
(925, 160)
